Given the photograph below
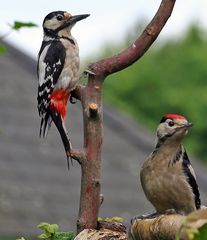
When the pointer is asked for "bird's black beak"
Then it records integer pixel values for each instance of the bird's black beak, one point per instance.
(74, 19)
(71, 20)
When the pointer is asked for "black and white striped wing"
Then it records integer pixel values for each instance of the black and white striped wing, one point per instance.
(191, 178)
(50, 64)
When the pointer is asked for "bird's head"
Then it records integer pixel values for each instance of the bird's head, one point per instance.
(173, 127)
(55, 22)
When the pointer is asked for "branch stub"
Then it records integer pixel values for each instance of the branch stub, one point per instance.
(93, 110)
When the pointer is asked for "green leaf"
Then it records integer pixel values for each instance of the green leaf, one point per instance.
(53, 228)
(17, 25)
(22, 238)
(44, 236)
(3, 49)
(64, 236)
(114, 219)
(52, 234)
(202, 233)
(43, 225)
(192, 233)
(50, 229)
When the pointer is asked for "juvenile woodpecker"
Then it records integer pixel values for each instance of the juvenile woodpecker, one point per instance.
(167, 177)
(58, 72)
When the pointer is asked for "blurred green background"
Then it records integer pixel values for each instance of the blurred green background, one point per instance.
(170, 78)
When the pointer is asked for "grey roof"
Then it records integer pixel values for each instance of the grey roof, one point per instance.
(35, 185)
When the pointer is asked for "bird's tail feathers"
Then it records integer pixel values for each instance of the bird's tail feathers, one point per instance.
(45, 125)
(59, 123)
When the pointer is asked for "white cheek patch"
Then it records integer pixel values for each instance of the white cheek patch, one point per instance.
(52, 24)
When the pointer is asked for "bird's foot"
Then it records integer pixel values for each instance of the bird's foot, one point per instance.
(68, 154)
(69, 159)
(88, 72)
(72, 101)
(144, 216)
(170, 211)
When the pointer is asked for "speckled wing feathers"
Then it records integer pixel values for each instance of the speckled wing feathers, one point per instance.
(50, 65)
(189, 172)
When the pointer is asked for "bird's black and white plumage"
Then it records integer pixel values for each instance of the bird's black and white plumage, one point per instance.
(58, 71)
(167, 177)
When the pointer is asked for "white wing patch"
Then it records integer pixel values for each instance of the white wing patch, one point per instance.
(42, 66)
(59, 62)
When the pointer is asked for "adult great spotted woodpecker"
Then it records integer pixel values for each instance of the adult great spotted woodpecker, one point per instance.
(58, 72)
(167, 177)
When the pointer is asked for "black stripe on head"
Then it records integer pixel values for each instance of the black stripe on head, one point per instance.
(51, 32)
(53, 14)
(162, 139)
(191, 180)
(163, 119)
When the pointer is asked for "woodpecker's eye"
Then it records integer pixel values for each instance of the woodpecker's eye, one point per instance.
(59, 17)
(171, 124)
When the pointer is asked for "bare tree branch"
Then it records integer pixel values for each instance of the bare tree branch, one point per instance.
(124, 59)
(77, 155)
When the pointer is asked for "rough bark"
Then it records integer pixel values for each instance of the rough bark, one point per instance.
(91, 99)
(105, 231)
(161, 227)
(167, 227)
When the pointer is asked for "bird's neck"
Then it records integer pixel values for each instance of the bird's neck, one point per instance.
(65, 33)
(51, 34)
(171, 150)
(167, 144)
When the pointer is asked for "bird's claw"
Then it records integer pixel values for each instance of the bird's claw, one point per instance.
(144, 216)
(170, 211)
(72, 101)
(88, 72)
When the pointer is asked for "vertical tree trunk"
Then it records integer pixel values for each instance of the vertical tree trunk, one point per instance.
(91, 99)
(91, 167)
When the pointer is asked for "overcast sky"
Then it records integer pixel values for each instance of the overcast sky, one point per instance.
(109, 20)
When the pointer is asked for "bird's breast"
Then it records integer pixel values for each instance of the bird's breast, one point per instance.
(70, 74)
(166, 186)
